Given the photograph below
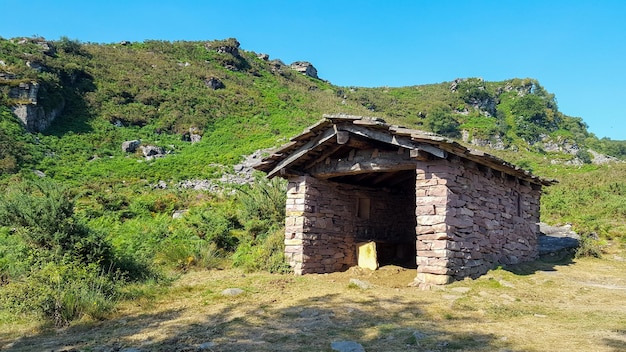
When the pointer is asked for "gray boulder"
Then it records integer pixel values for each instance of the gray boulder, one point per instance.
(214, 83)
(152, 151)
(131, 146)
(347, 346)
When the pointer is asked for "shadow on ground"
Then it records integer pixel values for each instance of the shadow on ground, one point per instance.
(397, 324)
(544, 263)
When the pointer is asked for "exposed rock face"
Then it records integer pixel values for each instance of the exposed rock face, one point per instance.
(276, 66)
(306, 68)
(264, 57)
(46, 46)
(495, 142)
(192, 136)
(35, 65)
(522, 89)
(559, 145)
(195, 138)
(25, 91)
(34, 117)
(230, 46)
(484, 103)
(601, 158)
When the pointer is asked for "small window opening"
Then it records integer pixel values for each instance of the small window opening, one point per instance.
(363, 208)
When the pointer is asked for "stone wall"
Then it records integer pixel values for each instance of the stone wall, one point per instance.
(471, 219)
(463, 219)
(325, 220)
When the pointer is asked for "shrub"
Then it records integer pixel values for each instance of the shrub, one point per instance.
(264, 201)
(441, 121)
(214, 225)
(584, 156)
(263, 215)
(588, 247)
(62, 292)
(15, 257)
(42, 212)
(264, 253)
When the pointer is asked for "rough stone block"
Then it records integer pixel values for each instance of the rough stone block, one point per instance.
(440, 270)
(433, 279)
(430, 219)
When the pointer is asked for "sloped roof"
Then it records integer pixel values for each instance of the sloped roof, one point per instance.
(315, 141)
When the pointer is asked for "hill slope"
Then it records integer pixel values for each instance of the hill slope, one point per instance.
(102, 95)
(107, 153)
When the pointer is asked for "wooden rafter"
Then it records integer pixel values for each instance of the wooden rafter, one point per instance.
(362, 163)
(320, 139)
(386, 137)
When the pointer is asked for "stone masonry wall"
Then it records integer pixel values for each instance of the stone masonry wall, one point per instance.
(470, 219)
(323, 222)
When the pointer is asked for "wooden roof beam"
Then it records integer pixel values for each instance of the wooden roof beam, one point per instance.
(389, 138)
(385, 162)
(297, 154)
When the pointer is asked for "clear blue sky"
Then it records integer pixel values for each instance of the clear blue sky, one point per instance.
(576, 49)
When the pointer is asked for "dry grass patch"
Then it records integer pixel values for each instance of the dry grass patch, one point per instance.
(541, 306)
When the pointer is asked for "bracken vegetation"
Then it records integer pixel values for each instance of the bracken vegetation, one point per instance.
(98, 228)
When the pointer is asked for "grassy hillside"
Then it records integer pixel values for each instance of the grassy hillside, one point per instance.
(102, 220)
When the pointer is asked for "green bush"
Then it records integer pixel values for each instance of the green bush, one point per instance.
(214, 225)
(441, 121)
(584, 156)
(264, 200)
(42, 212)
(263, 214)
(588, 247)
(16, 258)
(61, 292)
(264, 253)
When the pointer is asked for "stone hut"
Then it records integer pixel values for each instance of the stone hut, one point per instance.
(414, 197)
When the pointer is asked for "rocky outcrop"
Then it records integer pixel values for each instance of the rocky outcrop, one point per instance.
(560, 145)
(276, 66)
(25, 98)
(228, 46)
(495, 142)
(524, 87)
(304, 67)
(46, 47)
(598, 158)
(35, 117)
(192, 136)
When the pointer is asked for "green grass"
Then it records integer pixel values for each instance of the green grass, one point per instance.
(148, 88)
